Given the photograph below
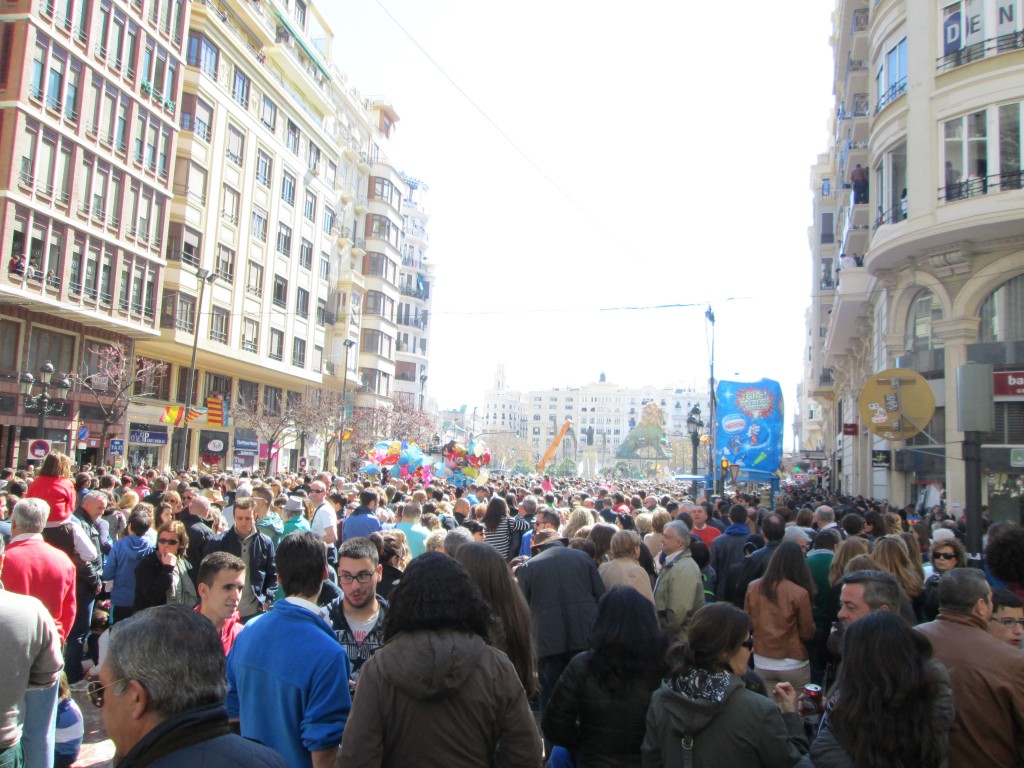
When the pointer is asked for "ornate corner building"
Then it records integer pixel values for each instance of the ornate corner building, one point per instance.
(196, 181)
(917, 243)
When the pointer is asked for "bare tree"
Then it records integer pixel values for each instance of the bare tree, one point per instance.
(395, 421)
(507, 449)
(269, 418)
(116, 381)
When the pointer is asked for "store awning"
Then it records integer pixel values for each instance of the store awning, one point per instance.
(313, 55)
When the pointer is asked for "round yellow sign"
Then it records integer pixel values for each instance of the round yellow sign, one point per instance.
(896, 404)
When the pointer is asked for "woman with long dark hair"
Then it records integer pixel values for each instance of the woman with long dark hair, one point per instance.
(599, 706)
(707, 715)
(437, 668)
(512, 631)
(899, 714)
(779, 604)
(502, 531)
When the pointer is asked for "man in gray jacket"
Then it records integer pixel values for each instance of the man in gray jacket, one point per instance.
(679, 592)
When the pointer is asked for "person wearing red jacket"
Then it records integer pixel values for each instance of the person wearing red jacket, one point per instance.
(54, 486)
(33, 567)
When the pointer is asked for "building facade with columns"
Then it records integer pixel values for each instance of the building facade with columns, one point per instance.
(917, 208)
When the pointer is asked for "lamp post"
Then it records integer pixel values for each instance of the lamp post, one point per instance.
(349, 343)
(43, 403)
(717, 482)
(694, 425)
(205, 276)
(423, 386)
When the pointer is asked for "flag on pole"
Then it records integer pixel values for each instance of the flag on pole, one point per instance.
(346, 435)
(216, 412)
(194, 413)
(172, 415)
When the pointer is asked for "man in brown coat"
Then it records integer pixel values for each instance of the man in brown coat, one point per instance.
(987, 675)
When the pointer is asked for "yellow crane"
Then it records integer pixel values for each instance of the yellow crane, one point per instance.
(554, 446)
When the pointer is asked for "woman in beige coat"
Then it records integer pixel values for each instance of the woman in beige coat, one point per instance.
(623, 569)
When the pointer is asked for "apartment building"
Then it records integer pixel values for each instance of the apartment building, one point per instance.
(200, 182)
(416, 276)
(602, 414)
(89, 131)
(918, 254)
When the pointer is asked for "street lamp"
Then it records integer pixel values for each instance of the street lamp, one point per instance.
(43, 403)
(423, 386)
(349, 343)
(694, 425)
(205, 276)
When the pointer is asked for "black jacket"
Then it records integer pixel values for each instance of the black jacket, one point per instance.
(199, 737)
(152, 580)
(606, 729)
(562, 587)
(199, 535)
(262, 569)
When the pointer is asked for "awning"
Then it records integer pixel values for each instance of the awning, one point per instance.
(313, 55)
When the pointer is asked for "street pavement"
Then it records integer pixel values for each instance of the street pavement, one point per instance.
(97, 749)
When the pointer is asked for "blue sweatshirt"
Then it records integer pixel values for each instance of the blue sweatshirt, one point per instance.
(288, 683)
(120, 568)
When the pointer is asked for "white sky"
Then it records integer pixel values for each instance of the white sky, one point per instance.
(681, 137)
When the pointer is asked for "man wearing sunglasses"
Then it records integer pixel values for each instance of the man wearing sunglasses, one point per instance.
(161, 689)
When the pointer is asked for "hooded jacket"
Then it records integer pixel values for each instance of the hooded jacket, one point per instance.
(120, 568)
(419, 680)
(731, 726)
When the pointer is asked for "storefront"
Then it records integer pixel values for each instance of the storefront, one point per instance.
(246, 451)
(213, 450)
(147, 445)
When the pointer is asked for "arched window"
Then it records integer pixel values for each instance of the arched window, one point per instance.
(925, 311)
(1002, 313)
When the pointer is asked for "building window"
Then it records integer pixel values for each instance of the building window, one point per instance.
(225, 263)
(229, 209)
(250, 336)
(284, 240)
(272, 396)
(306, 254)
(259, 225)
(891, 75)
(248, 391)
(276, 344)
(318, 359)
(965, 156)
(309, 209)
(1002, 313)
(264, 167)
(328, 220)
(302, 303)
(925, 311)
(287, 188)
(280, 292)
(299, 352)
(321, 312)
(269, 113)
(240, 88)
(254, 279)
(236, 145)
(219, 319)
(325, 266)
(313, 156)
(292, 137)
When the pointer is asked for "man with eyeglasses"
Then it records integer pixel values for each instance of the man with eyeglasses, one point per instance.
(357, 617)
(1007, 622)
(325, 520)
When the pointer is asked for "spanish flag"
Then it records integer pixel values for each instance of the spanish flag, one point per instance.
(216, 412)
(346, 435)
(172, 415)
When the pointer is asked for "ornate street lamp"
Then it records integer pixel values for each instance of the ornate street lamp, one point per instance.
(694, 424)
(43, 403)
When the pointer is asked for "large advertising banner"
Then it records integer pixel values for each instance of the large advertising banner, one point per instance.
(750, 424)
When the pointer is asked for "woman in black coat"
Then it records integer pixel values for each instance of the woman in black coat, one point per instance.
(164, 575)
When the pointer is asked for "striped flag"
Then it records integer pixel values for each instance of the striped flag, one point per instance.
(194, 413)
(172, 415)
(216, 412)
(346, 435)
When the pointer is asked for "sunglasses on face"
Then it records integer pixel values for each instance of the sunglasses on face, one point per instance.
(95, 691)
(169, 542)
(944, 556)
(748, 643)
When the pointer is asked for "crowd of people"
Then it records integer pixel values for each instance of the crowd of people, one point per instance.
(319, 620)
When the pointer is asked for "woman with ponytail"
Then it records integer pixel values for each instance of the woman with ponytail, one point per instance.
(706, 713)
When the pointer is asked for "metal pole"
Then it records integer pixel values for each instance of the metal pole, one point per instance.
(717, 481)
(43, 400)
(183, 443)
(695, 441)
(344, 408)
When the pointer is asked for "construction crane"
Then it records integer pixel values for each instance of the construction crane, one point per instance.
(554, 446)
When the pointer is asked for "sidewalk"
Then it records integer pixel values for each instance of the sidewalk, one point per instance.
(97, 749)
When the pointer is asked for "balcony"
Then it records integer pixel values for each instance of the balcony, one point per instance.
(856, 230)
(414, 292)
(890, 95)
(1012, 41)
(850, 305)
(825, 386)
(359, 246)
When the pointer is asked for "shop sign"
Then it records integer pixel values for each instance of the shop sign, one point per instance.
(213, 443)
(1008, 383)
(881, 459)
(247, 446)
(1017, 457)
(850, 429)
(143, 437)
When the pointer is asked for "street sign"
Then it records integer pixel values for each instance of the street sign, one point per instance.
(117, 447)
(39, 449)
(83, 433)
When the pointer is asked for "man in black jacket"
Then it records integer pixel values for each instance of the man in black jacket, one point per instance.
(257, 551)
(562, 587)
(197, 526)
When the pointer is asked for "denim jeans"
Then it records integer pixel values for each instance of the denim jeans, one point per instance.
(39, 727)
(74, 649)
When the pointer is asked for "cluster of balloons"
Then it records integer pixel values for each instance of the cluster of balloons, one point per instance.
(408, 457)
(463, 463)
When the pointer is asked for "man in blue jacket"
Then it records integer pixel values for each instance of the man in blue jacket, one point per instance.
(287, 674)
(363, 521)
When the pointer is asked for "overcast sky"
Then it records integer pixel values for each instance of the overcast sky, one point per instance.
(664, 152)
